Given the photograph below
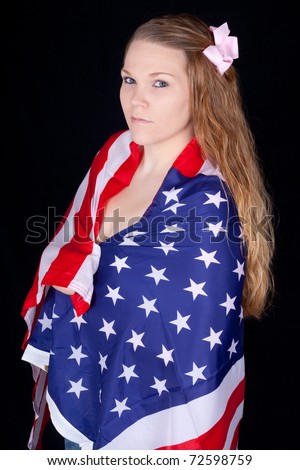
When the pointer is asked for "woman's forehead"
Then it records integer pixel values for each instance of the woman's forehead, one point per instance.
(154, 58)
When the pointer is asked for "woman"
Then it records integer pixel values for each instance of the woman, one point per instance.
(135, 318)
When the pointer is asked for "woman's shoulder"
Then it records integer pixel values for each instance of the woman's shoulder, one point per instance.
(209, 182)
(209, 193)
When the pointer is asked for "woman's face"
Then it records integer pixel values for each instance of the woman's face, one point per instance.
(155, 95)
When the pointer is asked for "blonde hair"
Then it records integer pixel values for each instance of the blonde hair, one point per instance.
(222, 130)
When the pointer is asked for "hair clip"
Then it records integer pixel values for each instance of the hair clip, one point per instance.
(225, 49)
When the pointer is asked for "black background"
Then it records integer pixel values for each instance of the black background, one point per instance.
(61, 102)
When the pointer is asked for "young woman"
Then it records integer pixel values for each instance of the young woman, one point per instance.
(135, 318)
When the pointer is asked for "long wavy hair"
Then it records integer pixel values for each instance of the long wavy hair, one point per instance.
(224, 135)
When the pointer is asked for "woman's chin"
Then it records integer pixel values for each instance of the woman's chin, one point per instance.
(141, 138)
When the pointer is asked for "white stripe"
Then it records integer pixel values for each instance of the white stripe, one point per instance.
(233, 425)
(180, 423)
(36, 357)
(36, 429)
(64, 427)
(208, 169)
(29, 318)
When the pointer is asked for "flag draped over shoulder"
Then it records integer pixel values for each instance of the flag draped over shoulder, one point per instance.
(72, 256)
(148, 353)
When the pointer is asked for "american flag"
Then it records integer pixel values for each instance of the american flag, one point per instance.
(148, 354)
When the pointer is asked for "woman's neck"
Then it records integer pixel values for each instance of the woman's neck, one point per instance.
(159, 157)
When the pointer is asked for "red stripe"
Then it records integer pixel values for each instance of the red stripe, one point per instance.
(189, 161)
(80, 305)
(215, 438)
(41, 411)
(44, 420)
(30, 300)
(36, 315)
(68, 261)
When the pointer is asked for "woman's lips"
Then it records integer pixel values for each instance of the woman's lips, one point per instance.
(139, 120)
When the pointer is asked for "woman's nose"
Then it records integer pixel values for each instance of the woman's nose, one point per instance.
(138, 98)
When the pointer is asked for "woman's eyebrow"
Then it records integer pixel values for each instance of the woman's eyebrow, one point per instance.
(153, 74)
(160, 73)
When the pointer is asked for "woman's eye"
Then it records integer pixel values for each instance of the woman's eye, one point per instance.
(128, 80)
(160, 84)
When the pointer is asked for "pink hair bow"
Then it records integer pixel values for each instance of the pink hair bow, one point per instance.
(225, 49)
